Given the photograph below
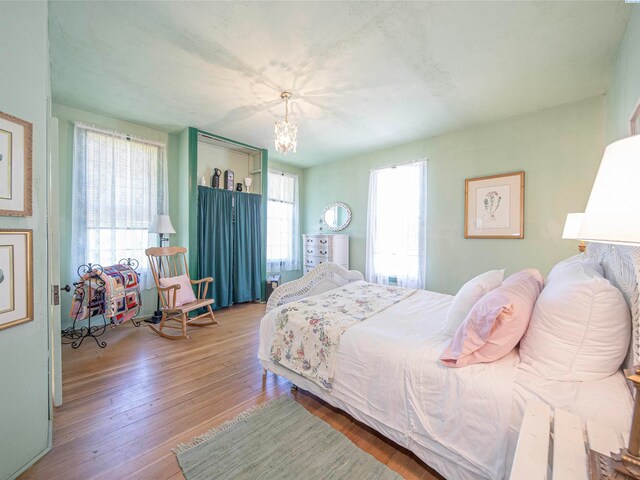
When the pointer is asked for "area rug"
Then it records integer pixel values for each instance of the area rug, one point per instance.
(277, 440)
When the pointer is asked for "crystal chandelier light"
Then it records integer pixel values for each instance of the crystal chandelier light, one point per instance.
(286, 132)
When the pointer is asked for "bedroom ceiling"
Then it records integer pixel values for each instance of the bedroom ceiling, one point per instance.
(364, 75)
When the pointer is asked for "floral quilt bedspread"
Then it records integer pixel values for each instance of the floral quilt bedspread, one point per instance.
(307, 332)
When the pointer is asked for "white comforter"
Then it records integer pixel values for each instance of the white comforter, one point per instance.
(392, 378)
(462, 422)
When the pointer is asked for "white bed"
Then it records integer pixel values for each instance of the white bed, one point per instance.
(463, 422)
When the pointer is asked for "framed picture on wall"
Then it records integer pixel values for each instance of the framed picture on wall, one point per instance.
(494, 206)
(16, 277)
(15, 166)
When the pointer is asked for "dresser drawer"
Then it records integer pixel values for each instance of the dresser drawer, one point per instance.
(316, 250)
(318, 240)
(314, 261)
(322, 248)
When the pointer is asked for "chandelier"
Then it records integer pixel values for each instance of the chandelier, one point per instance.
(286, 132)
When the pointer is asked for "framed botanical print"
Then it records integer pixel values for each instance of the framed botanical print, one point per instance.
(15, 166)
(16, 277)
(494, 206)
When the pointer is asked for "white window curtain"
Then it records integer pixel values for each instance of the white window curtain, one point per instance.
(283, 243)
(119, 184)
(396, 226)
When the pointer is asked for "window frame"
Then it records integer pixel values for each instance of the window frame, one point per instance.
(373, 271)
(292, 261)
(88, 222)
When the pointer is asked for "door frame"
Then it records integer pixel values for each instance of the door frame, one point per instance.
(53, 247)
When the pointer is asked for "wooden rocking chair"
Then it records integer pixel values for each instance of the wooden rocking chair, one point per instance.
(166, 263)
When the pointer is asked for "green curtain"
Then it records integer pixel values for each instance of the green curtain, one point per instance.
(247, 275)
(215, 242)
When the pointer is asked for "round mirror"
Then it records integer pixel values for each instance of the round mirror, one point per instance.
(336, 216)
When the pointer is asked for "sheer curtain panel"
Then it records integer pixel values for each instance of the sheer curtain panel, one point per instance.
(396, 226)
(283, 230)
(119, 184)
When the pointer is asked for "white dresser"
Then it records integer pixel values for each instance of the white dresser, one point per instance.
(322, 248)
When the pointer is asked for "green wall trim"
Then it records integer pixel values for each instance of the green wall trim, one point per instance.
(264, 166)
(193, 201)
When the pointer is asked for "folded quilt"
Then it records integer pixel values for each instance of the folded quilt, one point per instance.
(119, 299)
(307, 332)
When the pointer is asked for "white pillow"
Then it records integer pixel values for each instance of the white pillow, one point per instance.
(468, 295)
(560, 268)
(580, 327)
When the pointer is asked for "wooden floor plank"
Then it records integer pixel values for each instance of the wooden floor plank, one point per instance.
(128, 405)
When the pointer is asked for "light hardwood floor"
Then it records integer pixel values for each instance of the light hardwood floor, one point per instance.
(126, 406)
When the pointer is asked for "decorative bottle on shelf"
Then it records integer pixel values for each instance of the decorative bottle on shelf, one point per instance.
(228, 179)
(215, 178)
(203, 181)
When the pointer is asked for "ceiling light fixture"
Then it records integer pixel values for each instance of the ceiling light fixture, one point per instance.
(286, 132)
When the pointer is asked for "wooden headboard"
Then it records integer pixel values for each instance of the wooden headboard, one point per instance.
(621, 265)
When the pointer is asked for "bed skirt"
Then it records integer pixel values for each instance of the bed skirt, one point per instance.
(449, 464)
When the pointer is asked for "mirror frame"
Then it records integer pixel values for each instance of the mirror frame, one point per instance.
(347, 221)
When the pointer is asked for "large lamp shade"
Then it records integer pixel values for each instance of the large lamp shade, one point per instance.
(161, 224)
(613, 211)
(572, 226)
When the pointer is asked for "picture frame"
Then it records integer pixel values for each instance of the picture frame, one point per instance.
(16, 277)
(16, 144)
(494, 206)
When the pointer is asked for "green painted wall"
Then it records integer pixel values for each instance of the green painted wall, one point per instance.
(559, 149)
(284, 167)
(182, 223)
(24, 354)
(66, 116)
(624, 91)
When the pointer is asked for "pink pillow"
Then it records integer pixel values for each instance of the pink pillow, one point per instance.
(496, 323)
(184, 294)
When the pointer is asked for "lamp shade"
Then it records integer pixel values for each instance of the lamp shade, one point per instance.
(572, 226)
(612, 214)
(161, 224)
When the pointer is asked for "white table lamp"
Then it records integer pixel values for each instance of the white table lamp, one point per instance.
(161, 224)
(572, 227)
(613, 216)
(613, 213)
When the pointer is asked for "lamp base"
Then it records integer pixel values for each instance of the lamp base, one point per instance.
(617, 466)
(156, 317)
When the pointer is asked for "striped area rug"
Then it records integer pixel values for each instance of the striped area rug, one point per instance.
(277, 440)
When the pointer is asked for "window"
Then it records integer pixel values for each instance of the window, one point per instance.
(396, 225)
(119, 184)
(282, 223)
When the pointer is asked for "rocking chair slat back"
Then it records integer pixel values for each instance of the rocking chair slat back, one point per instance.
(169, 262)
